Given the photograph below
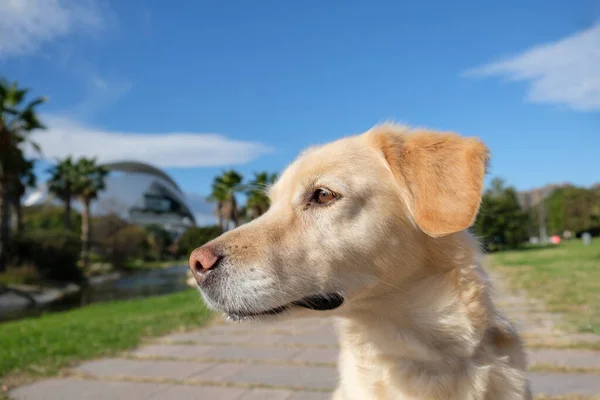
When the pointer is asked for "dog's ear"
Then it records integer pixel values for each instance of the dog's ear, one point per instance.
(442, 173)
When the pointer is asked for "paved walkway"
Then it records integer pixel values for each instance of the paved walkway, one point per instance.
(295, 361)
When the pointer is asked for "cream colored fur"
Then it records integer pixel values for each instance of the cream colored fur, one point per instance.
(418, 321)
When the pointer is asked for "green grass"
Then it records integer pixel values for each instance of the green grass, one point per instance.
(44, 345)
(566, 277)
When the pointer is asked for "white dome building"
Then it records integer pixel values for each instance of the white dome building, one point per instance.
(138, 192)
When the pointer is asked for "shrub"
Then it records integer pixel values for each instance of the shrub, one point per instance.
(197, 236)
(159, 241)
(128, 242)
(53, 252)
(49, 217)
(105, 227)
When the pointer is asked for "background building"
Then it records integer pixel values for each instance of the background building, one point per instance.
(138, 192)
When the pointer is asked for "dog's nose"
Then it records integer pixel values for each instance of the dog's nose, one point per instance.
(203, 259)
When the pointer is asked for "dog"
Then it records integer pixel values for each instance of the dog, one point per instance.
(373, 229)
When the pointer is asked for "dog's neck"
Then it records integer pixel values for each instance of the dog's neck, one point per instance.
(439, 316)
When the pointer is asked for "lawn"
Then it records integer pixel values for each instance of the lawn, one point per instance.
(566, 277)
(42, 346)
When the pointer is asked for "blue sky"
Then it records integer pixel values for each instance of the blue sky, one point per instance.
(199, 86)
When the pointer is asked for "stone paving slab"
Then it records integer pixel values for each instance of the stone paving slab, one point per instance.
(310, 396)
(310, 339)
(70, 388)
(183, 392)
(171, 351)
(270, 394)
(317, 355)
(305, 339)
(201, 339)
(118, 367)
(109, 367)
(311, 377)
(268, 329)
(267, 394)
(556, 384)
(574, 358)
(253, 353)
(223, 353)
(222, 373)
(291, 376)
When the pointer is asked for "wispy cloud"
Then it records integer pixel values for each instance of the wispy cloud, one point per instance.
(65, 136)
(99, 92)
(564, 72)
(28, 24)
(42, 28)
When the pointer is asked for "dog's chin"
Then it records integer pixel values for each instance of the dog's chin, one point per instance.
(305, 306)
(271, 315)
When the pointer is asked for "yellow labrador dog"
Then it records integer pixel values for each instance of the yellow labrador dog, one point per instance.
(372, 229)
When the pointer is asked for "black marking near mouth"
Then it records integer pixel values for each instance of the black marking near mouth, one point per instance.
(325, 302)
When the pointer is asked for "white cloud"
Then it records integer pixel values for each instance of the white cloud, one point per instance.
(563, 72)
(100, 92)
(99, 83)
(27, 24)
(169, 149)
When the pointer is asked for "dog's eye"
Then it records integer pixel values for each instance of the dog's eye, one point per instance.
(323, 196)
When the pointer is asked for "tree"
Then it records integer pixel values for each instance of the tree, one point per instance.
(232, 184)
(47, 216)
(244, 214)
(159, 240)
(62, 178)
(572, 208)
(17, 121)
(89, 182)
(501, 221)
(218, 196)
(257, 202)
(197, 236)
(25, 179)
(224, 189)
(127, 243)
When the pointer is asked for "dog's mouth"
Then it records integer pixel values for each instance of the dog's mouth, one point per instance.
(324, 302)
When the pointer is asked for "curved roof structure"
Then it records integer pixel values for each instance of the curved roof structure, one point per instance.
(135, 166)
(140, 192)
(143, 168)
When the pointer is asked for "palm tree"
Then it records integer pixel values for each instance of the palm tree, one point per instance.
(224, 189)
(257, 202)
(89, 182)
(62, 178)
(218, 196)
(26, 179)
(232, 184)
(244, 214)
(17, 121)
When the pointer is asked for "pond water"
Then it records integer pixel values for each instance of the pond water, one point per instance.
(142, 283)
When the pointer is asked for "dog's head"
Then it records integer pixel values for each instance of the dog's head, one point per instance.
(347, 221)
